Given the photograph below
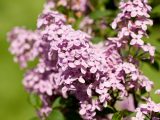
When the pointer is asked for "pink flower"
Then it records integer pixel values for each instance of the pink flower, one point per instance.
(130, 31)
(145, 109)
(149, 48)
(24, 45)
(70, 65)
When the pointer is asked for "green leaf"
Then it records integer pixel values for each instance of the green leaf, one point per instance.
(57, 103)
(110, 32)
(126, 113)
(110, 108)
(142, 91)
(156, 10)
(34, 100)
(56, 115)
(99, 14)
(117, 116)
(96, 40)
(101, 4)
(77, 23)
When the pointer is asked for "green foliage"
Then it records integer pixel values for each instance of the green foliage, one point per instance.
(96, 40)
(108, 110)
(35, 101)
(56, 115)
(57, 103)
(117, 116)
(99, 14)
(156, 10)
(14, 105)
(121, 114)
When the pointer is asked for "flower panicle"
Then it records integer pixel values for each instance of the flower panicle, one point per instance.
(69, 64)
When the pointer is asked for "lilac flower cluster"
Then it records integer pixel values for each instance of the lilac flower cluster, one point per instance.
(132, 23)
(70, 65)
(24, 45)
(75, 5)
(149, 110)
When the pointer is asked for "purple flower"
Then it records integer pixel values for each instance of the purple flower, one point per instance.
(24, 45)
(75, 5)
(146, 109)
(70, 65)
(131, 31)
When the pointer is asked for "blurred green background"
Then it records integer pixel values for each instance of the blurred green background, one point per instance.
(13, 97)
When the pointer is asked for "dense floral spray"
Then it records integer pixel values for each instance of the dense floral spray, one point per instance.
(96, 76)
